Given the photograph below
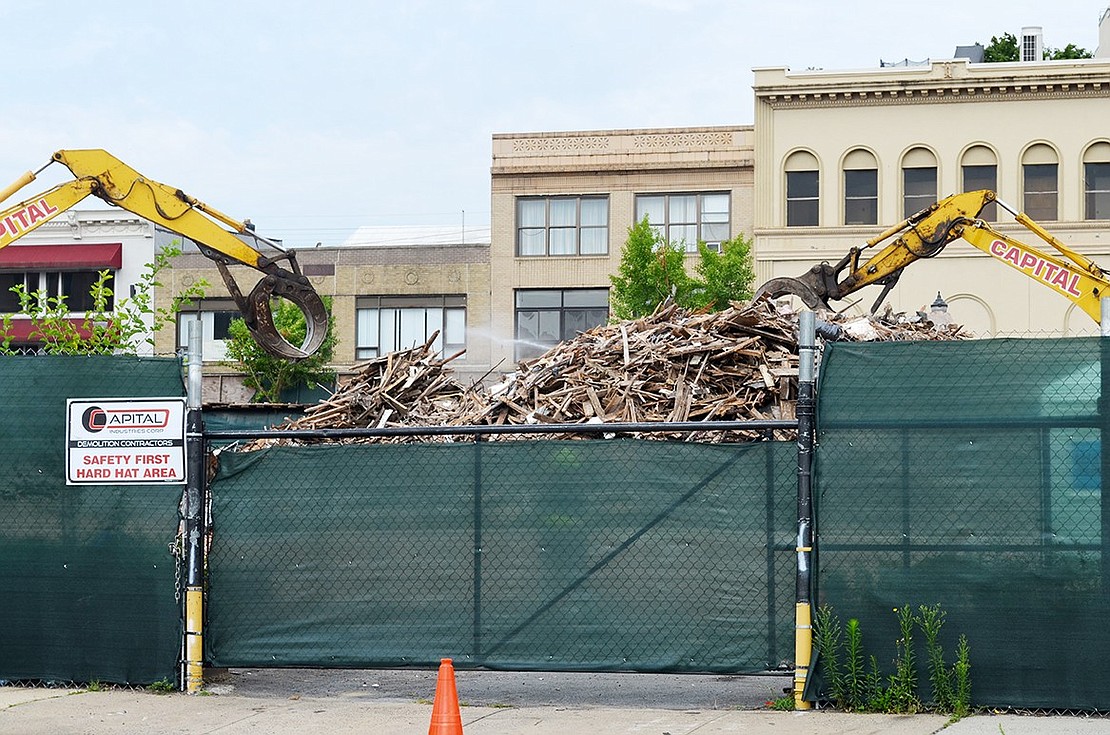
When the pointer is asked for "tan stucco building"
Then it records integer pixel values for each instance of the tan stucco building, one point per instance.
(842, 155)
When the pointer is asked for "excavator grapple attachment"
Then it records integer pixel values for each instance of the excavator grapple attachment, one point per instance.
(258, 315)
(800, 287)
(265, 331)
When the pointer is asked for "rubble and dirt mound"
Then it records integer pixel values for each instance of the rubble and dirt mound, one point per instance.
(674, 365)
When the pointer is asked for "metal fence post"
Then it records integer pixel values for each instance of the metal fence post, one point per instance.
(1104, 462)
(477, 592)
(803, 614)
(193, 678)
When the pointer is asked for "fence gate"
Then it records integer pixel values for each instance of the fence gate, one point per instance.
(595, 554)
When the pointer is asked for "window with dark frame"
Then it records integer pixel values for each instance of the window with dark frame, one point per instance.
(802, 199)
(75, 286)
(1041, 193)
(545, 317)
(1096, 191)
(861, 196)
(919, 188)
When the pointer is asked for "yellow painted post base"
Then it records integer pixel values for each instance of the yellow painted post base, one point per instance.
(803, 650)
(194, 639)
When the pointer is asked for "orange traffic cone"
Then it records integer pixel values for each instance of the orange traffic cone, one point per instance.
(446, 718)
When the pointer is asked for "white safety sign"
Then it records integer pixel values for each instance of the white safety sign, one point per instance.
(134, 441)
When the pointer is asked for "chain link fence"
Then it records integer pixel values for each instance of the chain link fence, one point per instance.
(961, 474)
(621, 554)
(88, 576)
(968, 475)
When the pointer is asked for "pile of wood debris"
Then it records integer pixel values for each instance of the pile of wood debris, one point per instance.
(674, 365)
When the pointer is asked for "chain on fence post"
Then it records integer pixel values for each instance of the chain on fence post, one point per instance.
(803, 613)
(193, 678)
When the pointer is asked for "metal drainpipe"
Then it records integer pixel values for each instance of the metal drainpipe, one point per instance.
(193, 680)
(803, 614)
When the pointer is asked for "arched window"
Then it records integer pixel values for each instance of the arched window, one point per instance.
(979, 169)
(861, 188)
(919, 180)
(1096, 181)
(803, 202)
(1040, 176)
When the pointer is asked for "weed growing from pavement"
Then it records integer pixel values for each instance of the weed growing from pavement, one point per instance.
(781, 704)
(162, 686)
(903, 685)
(851, 687)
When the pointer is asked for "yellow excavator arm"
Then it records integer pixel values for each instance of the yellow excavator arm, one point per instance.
(926, 234)
(100, 174)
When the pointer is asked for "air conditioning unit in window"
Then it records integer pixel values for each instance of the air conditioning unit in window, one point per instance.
(714, 246)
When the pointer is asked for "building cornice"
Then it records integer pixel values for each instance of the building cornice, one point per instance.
(624, 150)
(949, 81)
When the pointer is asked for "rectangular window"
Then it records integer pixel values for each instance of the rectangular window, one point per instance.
(861, 197)
(1041, 193)
(545, 317)
(982, 177)
(9, 302)
(385, 324)
(919, 189)
(554, 226)
(1096, 189)
(75, 286)
(802, 199)
(687, 218)
(215, 317)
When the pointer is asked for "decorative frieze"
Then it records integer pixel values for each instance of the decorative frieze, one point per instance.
(662, 141)
(561, 144)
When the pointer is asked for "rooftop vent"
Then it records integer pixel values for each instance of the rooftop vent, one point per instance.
(1032, 44)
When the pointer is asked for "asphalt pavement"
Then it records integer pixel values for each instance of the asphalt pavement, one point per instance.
(250, 701)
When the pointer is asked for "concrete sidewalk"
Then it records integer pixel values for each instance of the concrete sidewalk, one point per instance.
(78, 712)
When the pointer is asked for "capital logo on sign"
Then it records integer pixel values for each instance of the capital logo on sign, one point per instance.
(96, 419)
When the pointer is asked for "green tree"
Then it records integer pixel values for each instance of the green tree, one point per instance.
(101, 330)
(1071, 51)
(650, 271)
(1002, 48)
(270, 376)
(1006, 48)
(724, 276)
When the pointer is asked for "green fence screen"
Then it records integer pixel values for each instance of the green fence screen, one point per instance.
(967, 474)
(87, 576)
(559, 555)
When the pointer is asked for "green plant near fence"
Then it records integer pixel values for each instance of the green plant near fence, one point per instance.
(852, 686)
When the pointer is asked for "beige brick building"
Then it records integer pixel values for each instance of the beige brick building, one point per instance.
(562, 205)
(384, 297)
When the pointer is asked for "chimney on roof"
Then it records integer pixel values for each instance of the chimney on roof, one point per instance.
(1032, 44)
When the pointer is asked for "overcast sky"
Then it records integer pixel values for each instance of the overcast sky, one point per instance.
(312, 118)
